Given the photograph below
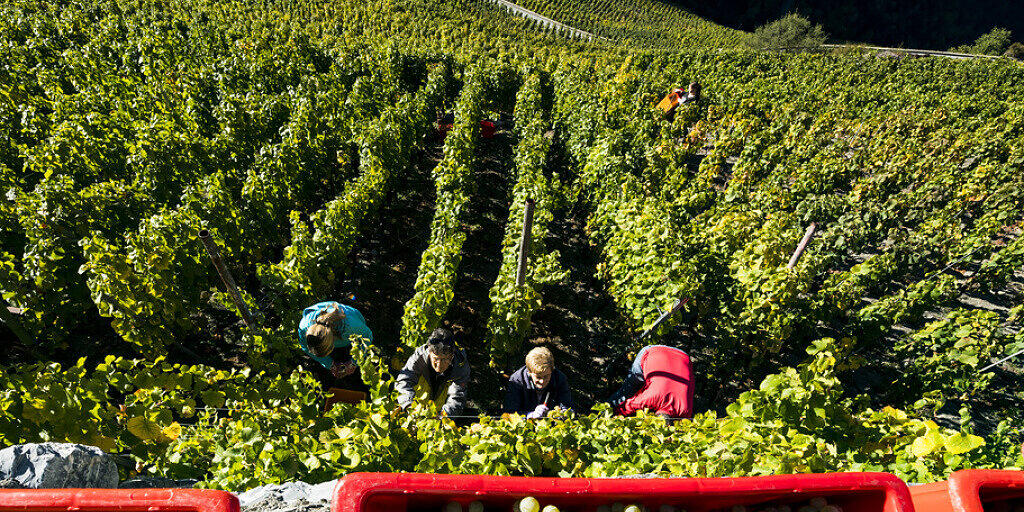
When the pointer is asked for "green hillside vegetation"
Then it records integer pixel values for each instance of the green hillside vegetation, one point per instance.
(638, 23)
(300, 134)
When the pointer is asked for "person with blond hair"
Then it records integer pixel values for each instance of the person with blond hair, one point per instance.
(325, 333)
(537, 387)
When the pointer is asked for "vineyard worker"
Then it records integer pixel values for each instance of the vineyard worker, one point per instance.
(324, 334)
(691, 96)
(660, 381)
(537, 387)
(439, 371)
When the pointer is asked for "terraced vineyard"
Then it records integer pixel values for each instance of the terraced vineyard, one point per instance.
(301, 136)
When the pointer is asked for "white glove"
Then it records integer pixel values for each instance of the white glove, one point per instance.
(539, 412)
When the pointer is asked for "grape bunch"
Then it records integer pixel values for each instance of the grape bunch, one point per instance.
(621, 507)
(818, 504)
(454, 506)
(532, 504)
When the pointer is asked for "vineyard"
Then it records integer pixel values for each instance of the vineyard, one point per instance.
(301, 136)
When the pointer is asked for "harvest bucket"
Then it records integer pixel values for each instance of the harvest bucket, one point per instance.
(397, 492)
(972, 490)
(343, 396)
(120, 500)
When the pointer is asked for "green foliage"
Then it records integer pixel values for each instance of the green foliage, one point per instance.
(947, 354)
(281, 128)
(133, 406)
(1015, 51)
(307, 270)
(993, 42)
(512, 306)
(435, 279)
(788, 31)
(639, 23)
(245, 429)
(797, 421)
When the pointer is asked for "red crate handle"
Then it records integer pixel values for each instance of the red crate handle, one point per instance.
(879, 492)
(963, 491)
(119, 500)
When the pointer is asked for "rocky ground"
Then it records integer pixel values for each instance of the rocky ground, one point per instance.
(288, 497)
(65, 465)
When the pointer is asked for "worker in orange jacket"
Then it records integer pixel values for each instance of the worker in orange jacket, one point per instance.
(692, 95)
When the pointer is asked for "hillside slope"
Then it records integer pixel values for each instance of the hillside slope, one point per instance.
(638, 23)
(301, 136)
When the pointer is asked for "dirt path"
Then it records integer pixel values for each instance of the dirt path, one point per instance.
(486, 215)
(387, 257)
(579, 321)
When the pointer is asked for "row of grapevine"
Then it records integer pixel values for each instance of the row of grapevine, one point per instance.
(641, 23)
(453, 179)
(281, 126)
(795, 171)
(313, 260)
(512, 306)
(796, 421)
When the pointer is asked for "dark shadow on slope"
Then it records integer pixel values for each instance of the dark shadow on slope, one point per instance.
(387, 255)
(927, 25)
(578, 320)
(883, 378)
(485, 217)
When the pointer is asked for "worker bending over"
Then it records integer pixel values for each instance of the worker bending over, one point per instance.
(660, 381)
(692, 95)
(439, 371)
(537, 387)
(324, 334)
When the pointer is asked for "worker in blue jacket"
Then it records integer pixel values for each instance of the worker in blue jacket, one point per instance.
(325, 332)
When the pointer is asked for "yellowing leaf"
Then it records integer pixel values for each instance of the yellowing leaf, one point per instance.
(895, 414)
(146, 429)
(922, 446)
(961, 443)
(733, 425)
(172, 431)
(103, 442)
(926, 444)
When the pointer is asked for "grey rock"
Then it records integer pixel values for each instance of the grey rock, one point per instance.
(288, 497)
(58, 465)
(157, 482)
(10, 483)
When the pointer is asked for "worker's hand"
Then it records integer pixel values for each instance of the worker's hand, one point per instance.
(539, 412)
(342, 370)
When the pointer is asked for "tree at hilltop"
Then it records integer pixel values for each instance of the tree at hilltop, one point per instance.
(790, 30)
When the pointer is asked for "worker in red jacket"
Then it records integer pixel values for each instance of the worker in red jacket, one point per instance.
(660, 381)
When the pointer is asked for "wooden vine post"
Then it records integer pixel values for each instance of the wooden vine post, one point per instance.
(225, 277)
(524, 244)
(803, 245)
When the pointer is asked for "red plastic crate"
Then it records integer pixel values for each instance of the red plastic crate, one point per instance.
(397, 492)
(972, 490)
(119, 500)
(487, 129)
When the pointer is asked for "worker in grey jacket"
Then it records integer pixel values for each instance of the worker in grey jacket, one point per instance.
(437, 371)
